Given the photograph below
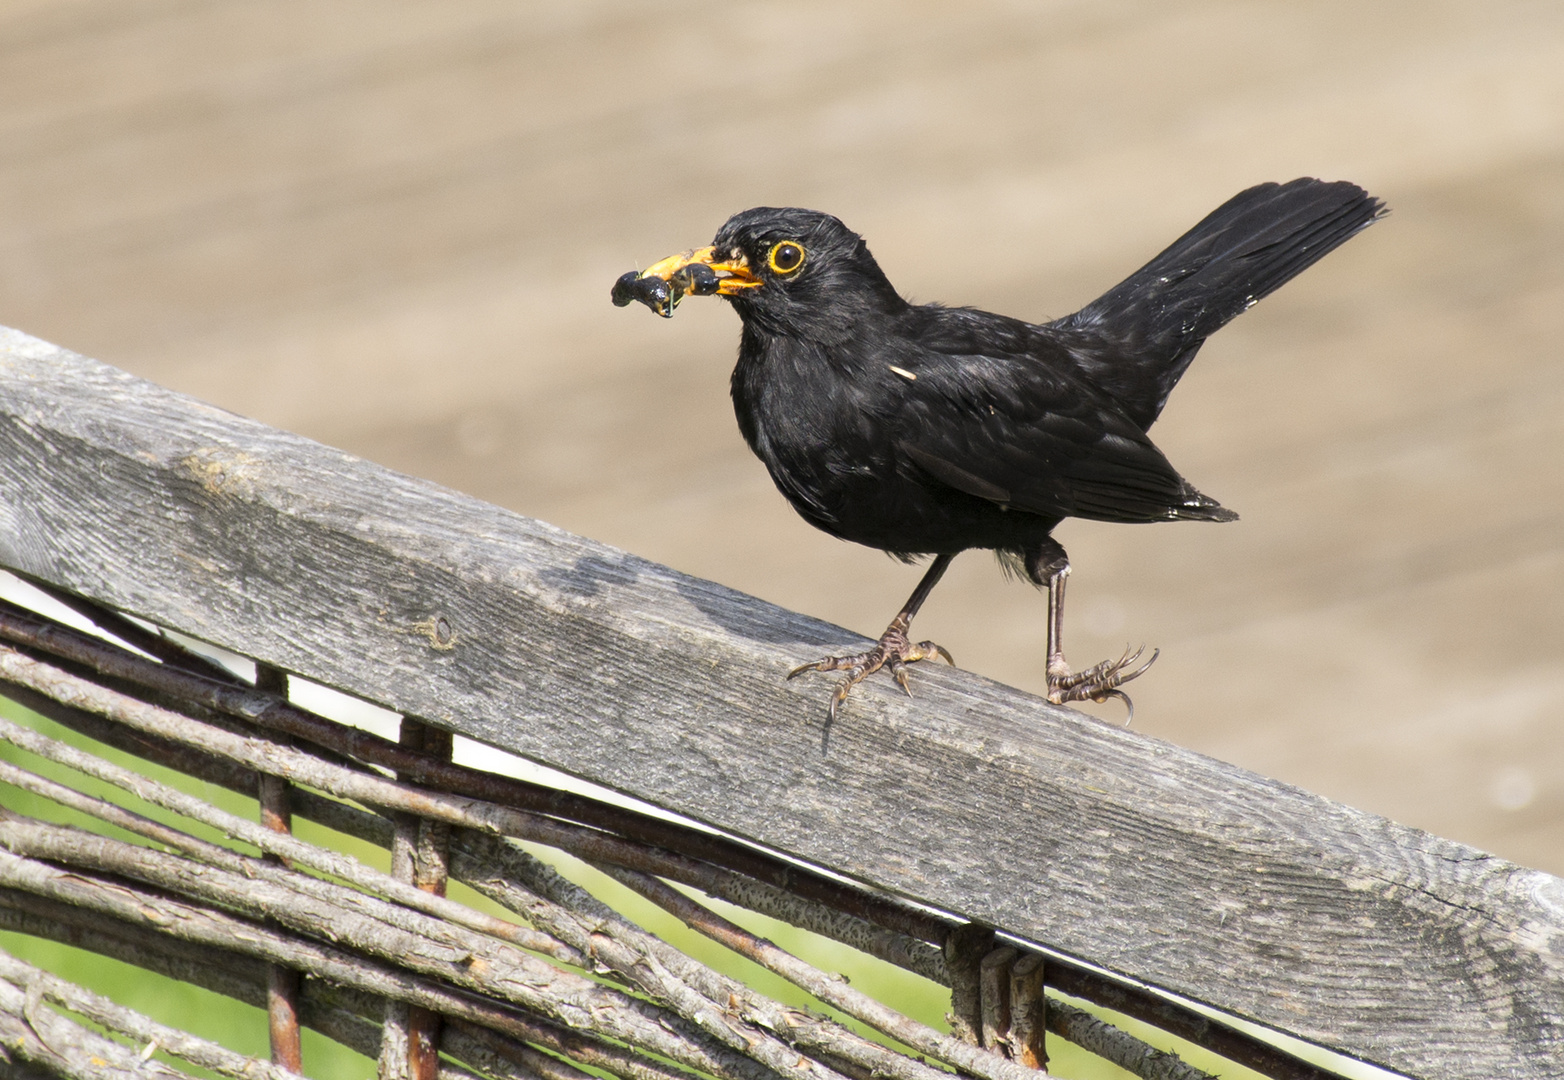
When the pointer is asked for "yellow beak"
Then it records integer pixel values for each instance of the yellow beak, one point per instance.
(731, 277)
(663, 284)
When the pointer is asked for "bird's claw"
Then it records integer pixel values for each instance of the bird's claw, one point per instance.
(1101, 681)
(893, 650)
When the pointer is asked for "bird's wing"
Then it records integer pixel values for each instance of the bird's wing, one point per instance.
(1017, 431)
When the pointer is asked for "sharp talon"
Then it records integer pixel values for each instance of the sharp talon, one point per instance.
(829, 663)
(1138, 672)
(1128, 704)
(840, 696)
(930, 649)
(1101, 681)
(892, 651)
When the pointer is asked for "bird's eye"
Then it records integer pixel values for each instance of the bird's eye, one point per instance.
(785, 257)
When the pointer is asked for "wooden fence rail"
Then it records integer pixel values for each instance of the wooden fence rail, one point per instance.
(1345, 929)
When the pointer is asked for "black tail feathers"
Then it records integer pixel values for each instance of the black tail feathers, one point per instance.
(1243, 250)
(1193, 506)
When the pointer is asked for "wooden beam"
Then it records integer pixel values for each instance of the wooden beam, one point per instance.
(1187, 873)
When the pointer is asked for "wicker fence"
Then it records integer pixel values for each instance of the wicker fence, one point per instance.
(978, 837)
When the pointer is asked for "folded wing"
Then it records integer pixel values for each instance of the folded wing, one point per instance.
(1022, 434)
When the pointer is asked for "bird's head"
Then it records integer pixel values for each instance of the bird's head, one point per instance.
(784, 269)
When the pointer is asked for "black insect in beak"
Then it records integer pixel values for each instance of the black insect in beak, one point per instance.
(697, 273)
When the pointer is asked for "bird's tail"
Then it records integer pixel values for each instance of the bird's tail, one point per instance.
(1244, 249)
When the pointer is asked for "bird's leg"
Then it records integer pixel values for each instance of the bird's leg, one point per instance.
(1058, 669)
(1048, 564)
(893, 650)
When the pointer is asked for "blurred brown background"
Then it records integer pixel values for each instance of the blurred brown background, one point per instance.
(392, 227)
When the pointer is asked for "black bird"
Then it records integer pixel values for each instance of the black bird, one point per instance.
(927, 430)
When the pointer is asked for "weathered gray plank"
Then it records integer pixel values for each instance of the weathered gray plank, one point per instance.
(1348, 929)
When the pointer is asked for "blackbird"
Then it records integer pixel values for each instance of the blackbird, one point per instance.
(926, 430)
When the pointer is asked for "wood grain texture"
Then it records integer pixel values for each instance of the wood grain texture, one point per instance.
(1347, 929)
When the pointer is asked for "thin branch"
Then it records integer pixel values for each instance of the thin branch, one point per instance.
(280, 844)
(833, 991)
(282, 984)
(508, 875)
(1195, 1027)
(893, 946)
(335, 1011)
(1121, 1048)
(199, 764)
(61, 1047)
(134, 634)
(502, 1057)
(38, 984)
(965, 947)
(994, 990)
(149, 747)
(418, 856)
(1028, 1005)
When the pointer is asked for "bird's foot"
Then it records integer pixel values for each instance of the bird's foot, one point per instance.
(893, 650)
(1099, 682)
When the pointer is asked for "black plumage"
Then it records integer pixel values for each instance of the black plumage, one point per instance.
(927, 430)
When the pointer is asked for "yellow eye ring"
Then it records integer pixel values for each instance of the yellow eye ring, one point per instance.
(786, 257)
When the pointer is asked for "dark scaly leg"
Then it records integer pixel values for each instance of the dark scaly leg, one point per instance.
(1049, 567)
(893, 649)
